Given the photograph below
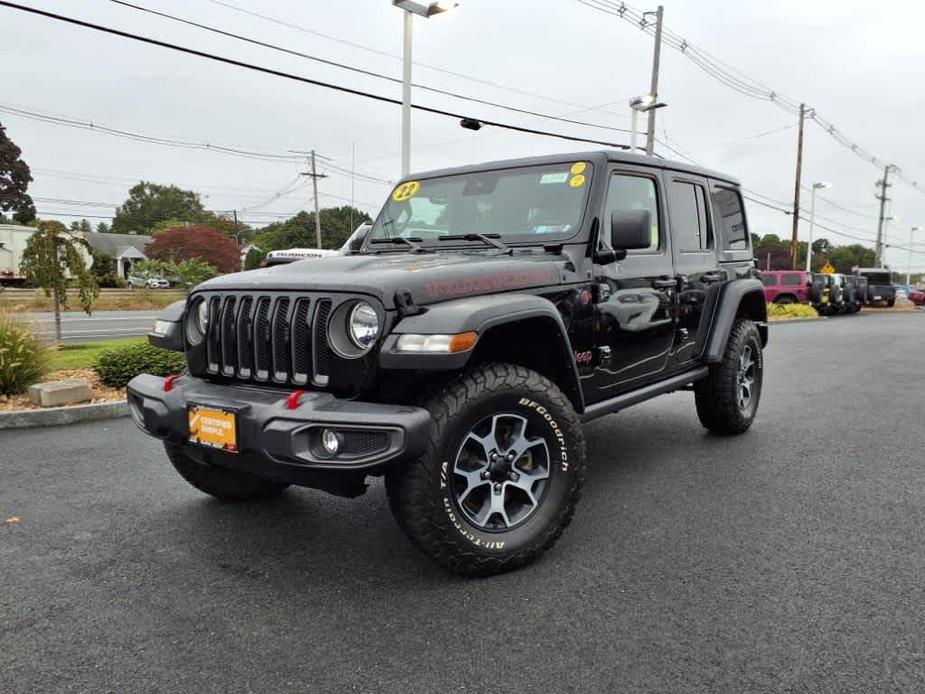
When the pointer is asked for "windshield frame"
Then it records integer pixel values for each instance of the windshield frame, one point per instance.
(512, 240)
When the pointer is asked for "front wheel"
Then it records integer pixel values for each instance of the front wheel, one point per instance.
(727, 399)
(501, 475)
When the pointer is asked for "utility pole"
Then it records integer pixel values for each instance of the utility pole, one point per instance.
(407, 25)
(884, 183)
(315, 176)
(237, 236)
(653, 90)
(796, 192)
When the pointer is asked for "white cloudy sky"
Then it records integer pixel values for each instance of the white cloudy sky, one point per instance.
(859, 64)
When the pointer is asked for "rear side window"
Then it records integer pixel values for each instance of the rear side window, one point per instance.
(768, 280)
(689, 227)
(730, 220)
(792, 280)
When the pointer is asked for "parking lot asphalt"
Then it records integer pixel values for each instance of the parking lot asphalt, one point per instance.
(787, 559)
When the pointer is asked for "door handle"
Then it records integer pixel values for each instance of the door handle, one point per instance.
(712, 276)
(665, 284)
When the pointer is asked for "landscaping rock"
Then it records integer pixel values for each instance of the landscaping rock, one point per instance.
(58, 393)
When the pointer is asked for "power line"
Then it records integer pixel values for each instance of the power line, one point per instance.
(739, 81)
(151, 139)
(362, 71)
(360, 46)
(297, 78)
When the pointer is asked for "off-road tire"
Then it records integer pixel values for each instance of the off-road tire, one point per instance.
(421, 492)
(222, 483)
(717, 395)
(890, 303)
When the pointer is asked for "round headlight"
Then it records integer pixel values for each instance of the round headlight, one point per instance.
(363, 325)
(202, 317)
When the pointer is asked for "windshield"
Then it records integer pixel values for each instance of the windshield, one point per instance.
(529, 204)
(879, 277)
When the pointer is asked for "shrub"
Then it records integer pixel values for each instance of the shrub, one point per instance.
(119, 365)
(791, 311)
(24, 358)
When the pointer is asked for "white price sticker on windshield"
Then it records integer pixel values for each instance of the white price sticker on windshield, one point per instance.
(554, 178)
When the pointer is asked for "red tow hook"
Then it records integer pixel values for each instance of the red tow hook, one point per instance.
(293, 401)
(169, 381)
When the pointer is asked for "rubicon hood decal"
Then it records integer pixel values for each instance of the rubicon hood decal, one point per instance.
(430, 278)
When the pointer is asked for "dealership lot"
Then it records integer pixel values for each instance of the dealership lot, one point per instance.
(785, 559)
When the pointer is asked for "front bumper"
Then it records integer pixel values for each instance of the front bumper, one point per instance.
(274, 440)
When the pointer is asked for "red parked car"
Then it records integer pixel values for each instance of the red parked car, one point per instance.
(917, 297)
(786, 286)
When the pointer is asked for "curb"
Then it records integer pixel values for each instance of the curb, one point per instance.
(54, 416)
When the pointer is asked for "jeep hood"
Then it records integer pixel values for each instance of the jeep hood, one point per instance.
(430, 278)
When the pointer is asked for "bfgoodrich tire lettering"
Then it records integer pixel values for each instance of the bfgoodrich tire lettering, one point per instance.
(722, 405)
(424, 494)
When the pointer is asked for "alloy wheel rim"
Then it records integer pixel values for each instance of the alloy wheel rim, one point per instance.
(500, 472)
(746, 378)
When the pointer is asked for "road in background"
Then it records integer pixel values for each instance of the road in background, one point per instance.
(786, 559)
(77, 326)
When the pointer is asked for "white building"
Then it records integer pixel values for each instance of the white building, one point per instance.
(125, 249)
(13, 239)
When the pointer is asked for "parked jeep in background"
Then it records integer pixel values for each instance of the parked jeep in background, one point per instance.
(786, 286)
(853, 297)
(488, 313)
(880, 289)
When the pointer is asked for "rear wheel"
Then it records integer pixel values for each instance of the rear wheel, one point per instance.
(501, 475)
(890, 303)
(727, 399)
(222, 483)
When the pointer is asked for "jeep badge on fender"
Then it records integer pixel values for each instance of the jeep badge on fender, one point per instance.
(458, 348)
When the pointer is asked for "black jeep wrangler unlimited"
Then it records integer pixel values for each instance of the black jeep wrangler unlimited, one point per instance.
(459, 347)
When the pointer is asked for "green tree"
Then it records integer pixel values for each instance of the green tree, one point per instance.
(188, 273)
(150, 203)
(843, 258)
(104, 269)
(83, 226)
(15, 178)
(102, 228)
(51, 254)
(253, 258)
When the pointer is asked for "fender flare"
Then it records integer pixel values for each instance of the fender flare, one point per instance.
(168, 327)
(744, 294)
(480, 314)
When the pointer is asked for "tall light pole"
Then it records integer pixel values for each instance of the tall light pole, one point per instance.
(411, 8)
(812, 221)
(912, 231)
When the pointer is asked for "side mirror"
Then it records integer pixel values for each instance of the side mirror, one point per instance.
(630, 229)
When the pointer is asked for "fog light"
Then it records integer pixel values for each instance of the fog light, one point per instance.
(330, 442)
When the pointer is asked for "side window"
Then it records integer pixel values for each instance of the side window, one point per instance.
(791, 280)
(627, 192)
(689, 227)
(730, 220)
(768, 280)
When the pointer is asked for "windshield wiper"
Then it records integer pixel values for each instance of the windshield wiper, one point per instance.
(489, 239)
(410, 241)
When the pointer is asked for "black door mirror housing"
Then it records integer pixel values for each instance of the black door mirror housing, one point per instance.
(630, 229)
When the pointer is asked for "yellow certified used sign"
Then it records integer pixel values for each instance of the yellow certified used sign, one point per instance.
(213, 427)
(406, 191)
(578, 168)
(827, 269)
(577, 181)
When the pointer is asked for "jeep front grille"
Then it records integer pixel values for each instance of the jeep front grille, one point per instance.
(269, 338)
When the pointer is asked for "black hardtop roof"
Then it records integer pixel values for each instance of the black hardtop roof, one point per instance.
(613, 155)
